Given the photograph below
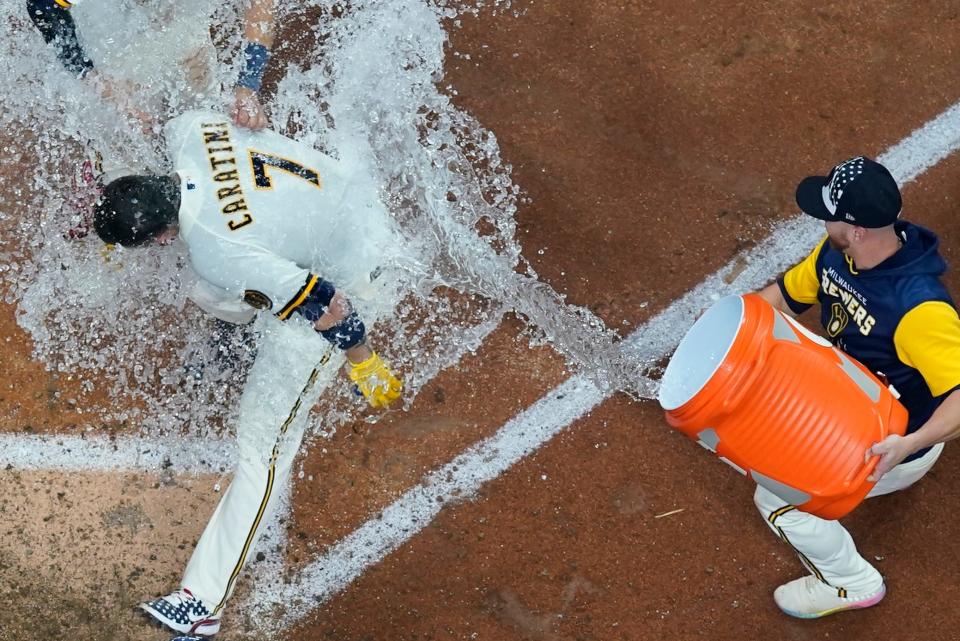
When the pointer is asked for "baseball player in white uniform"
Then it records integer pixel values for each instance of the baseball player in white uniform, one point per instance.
(272, 226)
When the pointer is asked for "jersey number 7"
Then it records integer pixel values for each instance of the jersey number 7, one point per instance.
(260, 161)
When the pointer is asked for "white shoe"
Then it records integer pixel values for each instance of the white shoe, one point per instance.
(810, 598)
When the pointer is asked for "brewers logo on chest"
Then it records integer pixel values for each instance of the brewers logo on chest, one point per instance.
(850, 306)
(838, 320)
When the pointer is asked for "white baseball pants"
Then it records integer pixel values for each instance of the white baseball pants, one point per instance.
(825, 547)
(293, 365)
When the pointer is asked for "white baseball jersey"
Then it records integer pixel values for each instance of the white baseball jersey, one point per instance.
(264, 216)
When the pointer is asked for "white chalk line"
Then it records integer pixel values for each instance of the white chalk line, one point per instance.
(346, 560)
(789, 242)
(125, 453)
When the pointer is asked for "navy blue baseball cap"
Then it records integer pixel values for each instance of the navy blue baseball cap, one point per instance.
(858, 191)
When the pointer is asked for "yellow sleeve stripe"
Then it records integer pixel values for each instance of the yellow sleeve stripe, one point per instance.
(928, 340)
(66, 4)
(801, 281)
(297, 300)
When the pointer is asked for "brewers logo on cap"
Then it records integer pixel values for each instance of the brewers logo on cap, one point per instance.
(257, 300)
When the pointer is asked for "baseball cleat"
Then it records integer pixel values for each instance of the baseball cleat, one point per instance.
(182, 612)
(810, 598)
(188, 637)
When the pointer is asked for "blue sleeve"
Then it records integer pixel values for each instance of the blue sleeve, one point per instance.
(317, 300)
(346, 334)
(58, 28)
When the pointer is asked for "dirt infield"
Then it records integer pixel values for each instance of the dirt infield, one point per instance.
(653, 141)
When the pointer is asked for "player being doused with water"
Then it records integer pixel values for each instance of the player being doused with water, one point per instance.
(275, 228)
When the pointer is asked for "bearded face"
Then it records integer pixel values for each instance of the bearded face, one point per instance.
(838, 235)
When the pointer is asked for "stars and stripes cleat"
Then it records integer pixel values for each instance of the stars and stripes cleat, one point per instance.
(182, 612)
(810, 598)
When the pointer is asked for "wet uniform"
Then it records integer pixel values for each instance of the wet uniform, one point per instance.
(271, 224)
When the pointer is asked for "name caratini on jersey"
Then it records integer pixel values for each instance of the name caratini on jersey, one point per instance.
(216, 138)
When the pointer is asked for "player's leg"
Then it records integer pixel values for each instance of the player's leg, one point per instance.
(840, 579)
(286, 354)
(280, 390)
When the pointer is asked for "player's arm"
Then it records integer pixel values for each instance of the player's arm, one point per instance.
(258, 22)
(334, 318)
(774, 295)
(54, 22)
(258, 34)
(927, 339)
(796, 291)
(288, 290)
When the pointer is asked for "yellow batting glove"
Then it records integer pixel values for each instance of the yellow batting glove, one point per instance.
(375, 381)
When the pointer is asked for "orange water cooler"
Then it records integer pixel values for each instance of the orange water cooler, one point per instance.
(780, 405)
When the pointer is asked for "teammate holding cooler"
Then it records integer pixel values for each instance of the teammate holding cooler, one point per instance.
(877, 280)
(273, 226)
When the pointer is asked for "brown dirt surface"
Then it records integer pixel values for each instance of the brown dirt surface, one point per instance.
(653, 141)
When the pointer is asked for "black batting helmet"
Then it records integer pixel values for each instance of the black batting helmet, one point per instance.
(134, 209)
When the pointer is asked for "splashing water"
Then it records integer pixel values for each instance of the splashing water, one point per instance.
(120, 322)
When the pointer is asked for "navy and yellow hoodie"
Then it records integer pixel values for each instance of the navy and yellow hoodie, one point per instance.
(896, 318)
